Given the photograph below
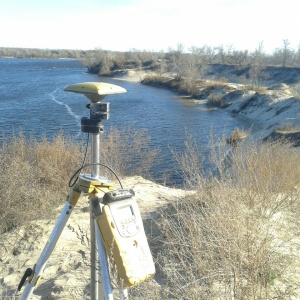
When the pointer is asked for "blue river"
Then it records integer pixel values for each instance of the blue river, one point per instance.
(33, 101)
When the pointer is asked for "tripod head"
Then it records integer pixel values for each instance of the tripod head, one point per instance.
(95, 91)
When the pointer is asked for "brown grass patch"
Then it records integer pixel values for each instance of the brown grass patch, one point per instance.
(233, 239)
(35, 174)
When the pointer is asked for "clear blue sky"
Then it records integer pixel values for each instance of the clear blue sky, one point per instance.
(148, 24)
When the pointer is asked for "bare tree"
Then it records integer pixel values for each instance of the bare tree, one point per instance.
(257, 66)
(160, 64)
(211, 54)
(119, 60)
(191, 72)
(176, 57)
(297, 57)
(240, 58)
(287, 53)
(225, 54)
(99, 61)
(198, 59)
(284, 56)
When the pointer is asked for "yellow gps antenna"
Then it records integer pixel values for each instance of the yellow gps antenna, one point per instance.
(95, 91)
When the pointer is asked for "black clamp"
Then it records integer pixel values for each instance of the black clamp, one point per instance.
(28, 273)
(91, 125)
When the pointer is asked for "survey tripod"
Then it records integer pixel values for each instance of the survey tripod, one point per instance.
(116, 228)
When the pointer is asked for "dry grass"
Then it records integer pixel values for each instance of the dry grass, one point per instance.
(233, 240)
(216, 81)
(127, 152)
(236, 136)
(288, 128)
(295, 90)
(34, 175)
(216, 100)
(237, 238)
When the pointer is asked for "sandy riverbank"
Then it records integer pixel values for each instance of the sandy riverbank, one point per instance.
(276, 106)
(132, 75)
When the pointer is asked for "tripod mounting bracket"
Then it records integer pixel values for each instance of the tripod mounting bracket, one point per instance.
(95, 91)
(91, 125)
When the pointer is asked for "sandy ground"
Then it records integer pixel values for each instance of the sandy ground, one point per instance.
(132, 75)
(67, 273)
(275, 107)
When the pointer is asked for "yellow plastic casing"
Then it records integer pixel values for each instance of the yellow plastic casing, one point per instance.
(94, 186)
(126, 242)
(95, 91)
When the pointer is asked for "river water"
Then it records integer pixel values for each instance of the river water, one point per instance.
(33, 100)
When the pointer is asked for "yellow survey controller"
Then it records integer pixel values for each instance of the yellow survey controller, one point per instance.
(124, 238)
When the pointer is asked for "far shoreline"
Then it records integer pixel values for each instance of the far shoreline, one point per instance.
(279, 106)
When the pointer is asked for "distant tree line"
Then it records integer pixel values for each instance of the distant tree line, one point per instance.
(282, 56)
(41, 53)
(189, 63)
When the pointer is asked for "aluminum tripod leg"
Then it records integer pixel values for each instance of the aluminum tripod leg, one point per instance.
(40, 265)
(97, 292)
(108, 294)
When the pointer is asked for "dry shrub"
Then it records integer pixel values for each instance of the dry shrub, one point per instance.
(191, 162)
(288, 127)
(35, 174)
(222, 80)
(34, 177)
(218, 81)
(127, 152)
(236, 136)
(261, 89)
(295, 89)
(233, 240)
(216, 100)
